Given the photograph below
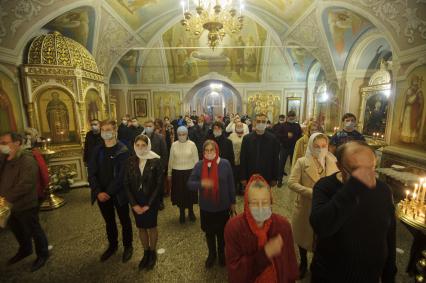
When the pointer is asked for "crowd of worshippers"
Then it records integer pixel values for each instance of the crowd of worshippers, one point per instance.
(342, 213)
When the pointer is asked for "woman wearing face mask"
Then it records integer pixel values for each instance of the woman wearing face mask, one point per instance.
(316, 163)
(143, 183)
(182, 159)
(302, 143)
(213, 178)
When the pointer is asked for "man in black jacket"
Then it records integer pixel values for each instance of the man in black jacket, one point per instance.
(353, 217)
(259, 153)
(158, 145)
(135, 130)
(92, 140)
(226, 150)
(106, 178)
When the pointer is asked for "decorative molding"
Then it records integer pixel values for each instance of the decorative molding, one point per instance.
(36, 82)
(69, 83)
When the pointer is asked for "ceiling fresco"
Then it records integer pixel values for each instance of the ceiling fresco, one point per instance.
(342, 28)
(78, 24)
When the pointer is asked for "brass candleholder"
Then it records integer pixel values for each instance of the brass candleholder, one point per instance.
(51, 201)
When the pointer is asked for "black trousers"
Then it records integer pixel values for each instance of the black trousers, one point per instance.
(211, 239)
(108, 209)
(25, 226)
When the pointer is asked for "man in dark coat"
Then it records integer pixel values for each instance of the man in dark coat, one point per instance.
(288, 133)
(124, 130)
(226, 150)
(353, 217)
(158, 145)
(18, 180)
(106, 177)
(201, 131)
(135, 130)
(259, 153)
(92, 140)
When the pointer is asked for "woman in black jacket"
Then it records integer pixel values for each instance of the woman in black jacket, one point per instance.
(143, 182)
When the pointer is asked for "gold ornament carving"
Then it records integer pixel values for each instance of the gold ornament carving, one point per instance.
(69, 83)
(36, 82)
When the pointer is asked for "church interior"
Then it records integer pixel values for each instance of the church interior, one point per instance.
(64, 63)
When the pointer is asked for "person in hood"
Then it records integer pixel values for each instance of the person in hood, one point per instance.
(348, 133)
(259, 243)
(144, 184)
(217, 198)
(307, 170)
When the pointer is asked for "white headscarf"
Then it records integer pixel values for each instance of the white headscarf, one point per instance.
(148, 154)
(310, 149)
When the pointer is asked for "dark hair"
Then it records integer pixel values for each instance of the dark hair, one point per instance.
(94, 120)
(109, 122)
(291, 113)
(141, 138)
(348, 115)
(268, 122)
(282, 116)
(16, 137)
(218, 124)
(341, 150)
(134, 118)
(261, 115)
(166, 117)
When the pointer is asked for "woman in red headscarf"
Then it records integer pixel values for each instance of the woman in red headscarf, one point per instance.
(213, 178)
(259, 244)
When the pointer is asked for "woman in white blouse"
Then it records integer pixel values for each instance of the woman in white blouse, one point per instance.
(183, 157)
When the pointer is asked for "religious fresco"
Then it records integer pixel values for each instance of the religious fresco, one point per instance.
(137, 12)
(130, 64)
(77, 24)
(264, 101)
(115, 77)
(342, 28)
(192, 58)
(9, 105)
(152, 68)
(278, 67)
(409, 126)
(94, 106)
(166, 103)
(287, 10)
(373, 54)
(57, 116)
(302, 60)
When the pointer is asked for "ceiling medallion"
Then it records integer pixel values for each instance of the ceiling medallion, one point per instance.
(218, 17)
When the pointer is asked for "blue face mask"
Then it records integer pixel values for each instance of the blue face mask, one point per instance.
(149, 130)
(261, 214)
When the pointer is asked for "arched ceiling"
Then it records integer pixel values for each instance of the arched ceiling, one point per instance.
(110, 28)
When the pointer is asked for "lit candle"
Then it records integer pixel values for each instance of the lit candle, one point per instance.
(183, 8)
(407, 192)
(383, 136)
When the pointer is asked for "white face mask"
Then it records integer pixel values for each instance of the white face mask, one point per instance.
(349, 125)
(95, 128)
(135, 124)
(124, 122)
(261, 214)
(4, 149)
(139, 152)
(217, 133)
(182, 138)
(107, 135)
(260, 127)
(149, 130)
(320, 153)
(239, 130)
(209, 156)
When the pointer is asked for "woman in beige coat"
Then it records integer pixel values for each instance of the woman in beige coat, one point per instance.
(316, 163)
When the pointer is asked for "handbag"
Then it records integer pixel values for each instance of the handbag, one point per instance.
(5, 211)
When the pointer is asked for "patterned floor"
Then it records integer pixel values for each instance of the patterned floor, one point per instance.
(76, 233)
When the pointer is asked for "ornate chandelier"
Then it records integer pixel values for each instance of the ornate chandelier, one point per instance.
(218, 17)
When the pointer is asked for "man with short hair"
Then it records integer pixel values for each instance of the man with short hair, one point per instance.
(18, 180)
(259, 244)
(92, 140)
(158, 145)
(237, 139)
(106, 177)
(124, 130)
(135, 130)
(348, 133)
(226, 150)
(288, 133)
(259, 153)
(353, 217)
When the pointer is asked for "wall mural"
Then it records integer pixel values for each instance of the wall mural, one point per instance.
(94, 106)
(166, 103)
(342, 28)
(265, 101)
(152, 70)
(373, 54)
(279, 69)
(409, 126)
(57, 116)
(192, 58)
(77, 24)
(302, 60)
(129, 63)
(7, 119)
